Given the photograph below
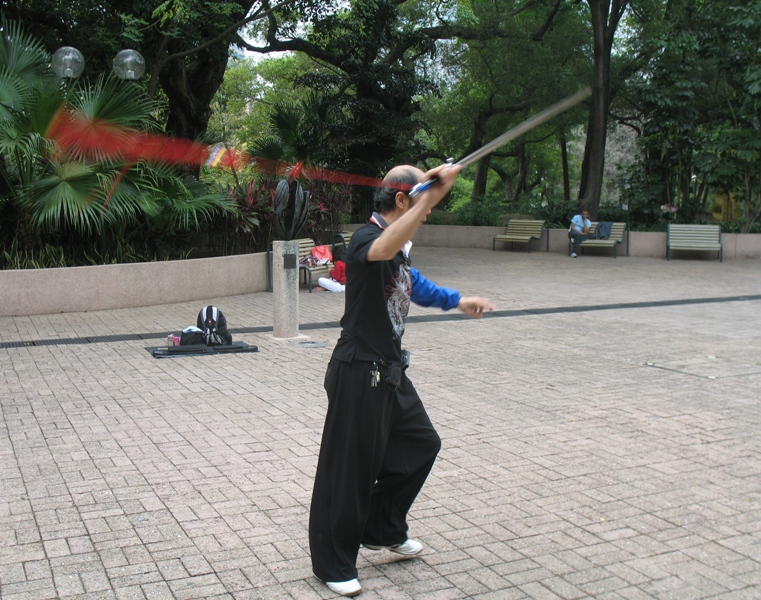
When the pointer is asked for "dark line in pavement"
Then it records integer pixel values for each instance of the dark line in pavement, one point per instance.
(450, 316)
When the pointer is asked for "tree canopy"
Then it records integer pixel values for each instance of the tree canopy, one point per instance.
(371, 83)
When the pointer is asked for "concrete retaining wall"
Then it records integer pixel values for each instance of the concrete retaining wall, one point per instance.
(46, 291)
(642, 243)
(76, 289)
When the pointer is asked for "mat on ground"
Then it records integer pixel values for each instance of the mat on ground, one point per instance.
(200, 350)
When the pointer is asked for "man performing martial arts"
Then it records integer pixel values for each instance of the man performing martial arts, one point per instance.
(378, 444)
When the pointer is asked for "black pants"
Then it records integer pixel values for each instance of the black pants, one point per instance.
(378, 447)
(577, 238)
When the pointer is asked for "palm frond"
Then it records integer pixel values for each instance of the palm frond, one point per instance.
(70, 196)
(191, 212)
(184, 203)
(22, 54)
(269, 147)
(44, 104)
(111, 99)
(285, 120)
(13, 92)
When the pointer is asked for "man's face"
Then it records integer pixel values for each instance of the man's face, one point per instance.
(585, 214)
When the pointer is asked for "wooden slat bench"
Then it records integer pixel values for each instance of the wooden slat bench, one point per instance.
(616, 237)
(306, 274)
(521, 231)
(310, 273)
(694, 237)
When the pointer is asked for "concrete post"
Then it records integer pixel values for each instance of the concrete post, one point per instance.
(285, 288)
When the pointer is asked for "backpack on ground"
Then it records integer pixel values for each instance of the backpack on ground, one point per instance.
(213, 324)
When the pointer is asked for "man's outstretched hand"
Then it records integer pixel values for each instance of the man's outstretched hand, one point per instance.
(474, 306)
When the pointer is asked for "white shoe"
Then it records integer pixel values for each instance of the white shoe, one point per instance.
(573, 255)
(408, 548)
(345, 588)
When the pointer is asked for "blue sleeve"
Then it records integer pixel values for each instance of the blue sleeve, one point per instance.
(427, 293)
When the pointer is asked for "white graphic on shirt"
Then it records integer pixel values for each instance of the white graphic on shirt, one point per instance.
(398, 294)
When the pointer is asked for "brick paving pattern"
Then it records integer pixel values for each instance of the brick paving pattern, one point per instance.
(600, 440)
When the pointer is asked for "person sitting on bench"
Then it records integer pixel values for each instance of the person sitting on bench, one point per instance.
(579, 230)
(337, 280)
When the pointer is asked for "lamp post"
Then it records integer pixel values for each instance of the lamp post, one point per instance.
(129, 64)
(68, 63)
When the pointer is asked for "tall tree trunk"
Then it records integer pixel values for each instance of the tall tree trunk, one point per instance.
(520, 179)
(190, 79)
(564, 160)
(605, 15)
(190, 89)
(479, 181)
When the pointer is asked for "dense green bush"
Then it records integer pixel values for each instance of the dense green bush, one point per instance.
(89, 208)
(482, 212)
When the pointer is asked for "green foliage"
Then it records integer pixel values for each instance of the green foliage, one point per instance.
(329, 205)
(297, 131)
(699, 96)
(480, 97)
(483, 212)
(247, 228)
(557, 212)
(92, 207)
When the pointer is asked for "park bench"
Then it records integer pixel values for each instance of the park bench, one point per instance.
(521, 231)
(694, 237)
(616, 237)
(306, 274)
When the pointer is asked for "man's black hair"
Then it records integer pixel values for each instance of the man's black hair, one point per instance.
(385, 196)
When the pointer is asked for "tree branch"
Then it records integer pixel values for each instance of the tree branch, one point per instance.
(294, 45)
(537, 37)
(258, 15)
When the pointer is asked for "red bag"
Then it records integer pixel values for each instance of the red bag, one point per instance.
(321, 254)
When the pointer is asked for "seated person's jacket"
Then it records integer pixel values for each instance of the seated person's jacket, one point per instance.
(339, 272)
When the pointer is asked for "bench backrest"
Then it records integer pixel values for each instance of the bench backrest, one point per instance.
(305, 247)
(616, 231)
(342, 238)
(525, 227)
(694, 233)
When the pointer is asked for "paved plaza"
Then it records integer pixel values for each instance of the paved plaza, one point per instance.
(601, 438)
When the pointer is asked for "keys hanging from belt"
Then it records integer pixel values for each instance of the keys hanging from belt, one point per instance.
(374, 376)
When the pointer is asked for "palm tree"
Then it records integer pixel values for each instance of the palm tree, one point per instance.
(48, 195)
(297, 131)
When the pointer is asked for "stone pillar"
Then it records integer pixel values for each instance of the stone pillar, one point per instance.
(285, 288)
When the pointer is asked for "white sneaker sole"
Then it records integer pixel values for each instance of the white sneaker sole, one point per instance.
(416, 549)
(348, 589)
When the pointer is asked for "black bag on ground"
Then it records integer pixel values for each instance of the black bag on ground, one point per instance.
(214, 326)
(192, 337)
